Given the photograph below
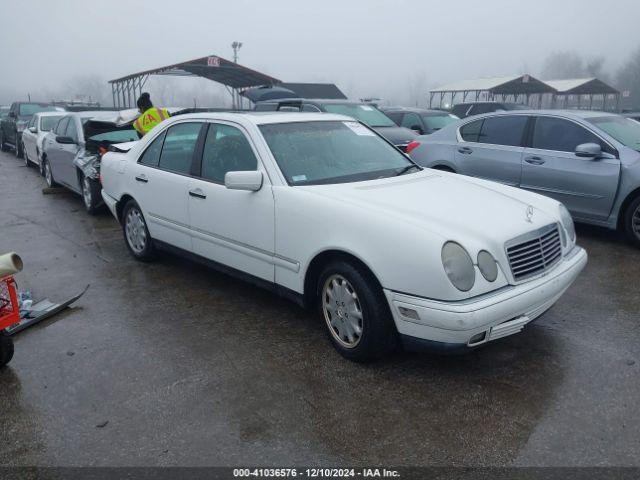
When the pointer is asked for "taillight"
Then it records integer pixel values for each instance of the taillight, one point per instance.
(412, 146)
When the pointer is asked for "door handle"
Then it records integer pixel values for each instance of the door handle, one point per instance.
(142, 178)
(534, 160)
(197, 192)
(465, 150)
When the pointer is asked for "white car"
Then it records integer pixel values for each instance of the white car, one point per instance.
(321, 209)
(32, 137)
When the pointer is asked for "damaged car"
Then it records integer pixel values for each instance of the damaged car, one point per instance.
(72, 151)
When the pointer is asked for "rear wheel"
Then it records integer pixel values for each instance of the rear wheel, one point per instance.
(356, 314)
(48, 174)
(136, 233)
(632, 221)
(6, 349)
(90, 194)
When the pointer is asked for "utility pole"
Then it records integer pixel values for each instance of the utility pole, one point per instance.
(236, 96)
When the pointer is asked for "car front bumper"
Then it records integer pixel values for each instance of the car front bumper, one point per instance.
(458, 326)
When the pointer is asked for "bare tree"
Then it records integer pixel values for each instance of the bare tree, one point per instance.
(562, 65)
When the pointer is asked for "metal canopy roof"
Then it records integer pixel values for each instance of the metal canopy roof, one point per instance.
(212, 67)
(515, 84)
(581, 86)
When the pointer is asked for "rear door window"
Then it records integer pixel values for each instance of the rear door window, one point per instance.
(151, 155)
(179, 145)
(411, 120)
(471, 131)
(503, 130)
(552, 133)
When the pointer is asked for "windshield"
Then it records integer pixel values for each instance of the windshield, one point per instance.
(314, 153)
(28, 109)
(438, 121)
(624, 130)
(365, 113)
(47, 123)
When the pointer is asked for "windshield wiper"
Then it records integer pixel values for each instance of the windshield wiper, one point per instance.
(406, 169)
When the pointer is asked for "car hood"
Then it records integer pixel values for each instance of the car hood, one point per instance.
(396, 135)
(449, 205)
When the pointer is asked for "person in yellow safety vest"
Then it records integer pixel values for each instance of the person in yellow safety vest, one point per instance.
(150, 116)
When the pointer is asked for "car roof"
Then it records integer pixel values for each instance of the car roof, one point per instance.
(576, 114)
(263, 118)
(336, 101)
(51, 114)
(414, 110)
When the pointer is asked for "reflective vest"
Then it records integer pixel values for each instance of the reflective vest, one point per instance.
(149, 119)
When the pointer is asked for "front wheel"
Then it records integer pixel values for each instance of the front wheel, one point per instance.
(6, 349)
(136, 233)
(352, 305)
(90, 194)
(632, 222)
(19, 151)
(25, 155)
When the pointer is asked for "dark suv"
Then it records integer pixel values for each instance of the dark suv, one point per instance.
(15, 122)
(463, 110)
(365, 113)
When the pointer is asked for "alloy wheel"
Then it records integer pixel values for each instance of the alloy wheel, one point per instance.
(135, 230)
(635, 222)
(47, 174)
(342, 310)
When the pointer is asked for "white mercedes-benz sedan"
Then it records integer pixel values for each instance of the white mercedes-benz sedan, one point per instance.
(322, 209)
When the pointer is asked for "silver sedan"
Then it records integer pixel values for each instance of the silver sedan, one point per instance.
(590, 161)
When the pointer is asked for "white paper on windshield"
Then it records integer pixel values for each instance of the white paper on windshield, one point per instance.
(367, 108)
(299, 178)
(359, 129)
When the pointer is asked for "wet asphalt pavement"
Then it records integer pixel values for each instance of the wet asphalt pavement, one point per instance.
(171, 363)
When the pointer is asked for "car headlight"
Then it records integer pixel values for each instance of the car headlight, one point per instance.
(458, 266)
(488, 266)
(567, 222)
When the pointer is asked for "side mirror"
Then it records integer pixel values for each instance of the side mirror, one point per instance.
(65, 140)
(417, 129)
(32, 129)
(250, 181)
(588, 150)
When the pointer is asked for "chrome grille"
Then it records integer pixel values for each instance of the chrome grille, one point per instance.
(534, 252)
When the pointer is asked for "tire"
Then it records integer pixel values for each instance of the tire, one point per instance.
(632, 221)
(25, 154)
(355, 312)
(48, 174)
(3, 146)
(136, 233)
(6, 349)
(18, 149)
(90, 194)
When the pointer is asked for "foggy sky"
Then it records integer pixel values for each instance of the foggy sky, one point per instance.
(368, 48)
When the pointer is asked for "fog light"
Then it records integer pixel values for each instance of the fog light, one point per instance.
(409, 313)
(477, 338)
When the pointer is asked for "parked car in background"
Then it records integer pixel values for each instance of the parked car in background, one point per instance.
(33, 136)
(420, 120)
(4, 111)
(363, 112)
(633, 115)
(464, 110)
(73, 149)
(12, 126)
(383, 249)
(590, 161)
